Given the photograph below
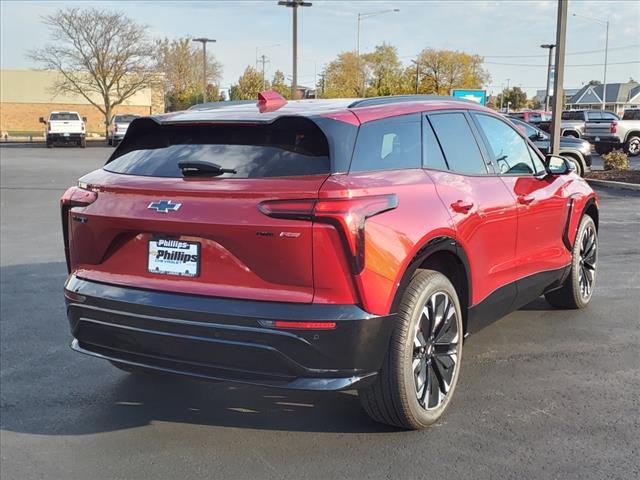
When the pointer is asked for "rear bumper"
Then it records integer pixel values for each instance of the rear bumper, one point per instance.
(604, 139)
(61, 137)
(225, 339)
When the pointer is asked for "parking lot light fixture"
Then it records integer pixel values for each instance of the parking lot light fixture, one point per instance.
(204, 42)
(550, 46)
(294, 4)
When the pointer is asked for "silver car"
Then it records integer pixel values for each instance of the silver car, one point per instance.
(118, 127)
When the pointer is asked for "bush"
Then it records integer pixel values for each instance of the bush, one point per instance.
(616, 160)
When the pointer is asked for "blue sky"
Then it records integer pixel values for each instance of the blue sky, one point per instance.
(502, 31)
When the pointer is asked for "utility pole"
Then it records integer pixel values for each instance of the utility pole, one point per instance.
(558, 84)
(550, 46)
(204, 42)
(362, 16)
(294, 4)
(415, 62)
(263, 60)
(322, 77)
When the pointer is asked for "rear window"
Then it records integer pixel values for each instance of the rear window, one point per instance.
(288, 147)
(64, 116)
(124, 118)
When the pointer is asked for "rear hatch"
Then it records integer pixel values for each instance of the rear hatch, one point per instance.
(65, 122)
(194, 229)
(597, 129)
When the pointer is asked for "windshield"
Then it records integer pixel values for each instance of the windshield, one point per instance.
(539, 117)
(66, 116)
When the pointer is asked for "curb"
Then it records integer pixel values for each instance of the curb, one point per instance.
(612, 184)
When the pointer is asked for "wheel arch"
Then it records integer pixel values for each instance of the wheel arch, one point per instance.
(445, 255)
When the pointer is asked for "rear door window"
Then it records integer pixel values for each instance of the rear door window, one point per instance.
(433, 156)
(458, 143)
(389, 144)
(288, 147)
(124, 118)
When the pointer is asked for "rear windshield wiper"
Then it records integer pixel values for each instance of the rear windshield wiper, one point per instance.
(194, 168)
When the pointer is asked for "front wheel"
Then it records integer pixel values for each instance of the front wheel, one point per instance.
(633, 145)
(578, 287)
(420, 370)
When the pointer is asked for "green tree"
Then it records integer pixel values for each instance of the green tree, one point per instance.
(278, 85)
(342, 77)
(181, 63)
(443, 70)
(248, 86)
(515, 95)
(384, 71)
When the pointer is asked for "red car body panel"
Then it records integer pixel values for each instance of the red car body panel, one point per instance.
(516, 239)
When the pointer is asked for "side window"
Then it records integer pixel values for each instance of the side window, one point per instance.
(594, 116)
(538, 165)
(608, 116)
(508, 149)
(433, 157)
(388, 144)
(458, 143)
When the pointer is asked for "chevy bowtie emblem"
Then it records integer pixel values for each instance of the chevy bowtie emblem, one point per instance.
(164, 206)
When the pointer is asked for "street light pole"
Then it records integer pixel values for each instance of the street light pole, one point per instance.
(204, 42)
(294, 4)
(550, 46)
(362, 16)
(415, 62)
(606, 54)
(558, 84)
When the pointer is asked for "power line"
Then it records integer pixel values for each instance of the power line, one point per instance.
(570, 65)
(585, 52)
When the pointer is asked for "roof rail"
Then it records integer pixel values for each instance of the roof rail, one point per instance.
(374, 101)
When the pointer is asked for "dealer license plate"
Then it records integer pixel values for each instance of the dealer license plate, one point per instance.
(174, 257)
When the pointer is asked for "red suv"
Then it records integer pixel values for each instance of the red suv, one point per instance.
(322, 245)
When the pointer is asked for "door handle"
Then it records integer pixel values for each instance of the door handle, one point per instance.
(525, 199)
(461, 206)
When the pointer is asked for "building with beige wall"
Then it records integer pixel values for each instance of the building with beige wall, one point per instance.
(26, 95)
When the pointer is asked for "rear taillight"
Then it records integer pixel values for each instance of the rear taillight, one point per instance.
(347, 215)
(49, 127)
(298, 325)
(82, 126)
(614, 126)
(73, 197)
(115, 128)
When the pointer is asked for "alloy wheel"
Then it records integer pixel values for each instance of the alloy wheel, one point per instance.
(588, 258)
(634, 146)
(435, 350)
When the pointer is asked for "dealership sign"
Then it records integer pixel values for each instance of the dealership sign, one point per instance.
(477, 96)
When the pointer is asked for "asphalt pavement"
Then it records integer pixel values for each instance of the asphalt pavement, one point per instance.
(543, 393)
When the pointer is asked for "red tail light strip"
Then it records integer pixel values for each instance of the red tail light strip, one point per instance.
(298, 325)
(347, 215)
(73, 197)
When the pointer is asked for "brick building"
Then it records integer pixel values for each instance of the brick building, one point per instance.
(26, 95)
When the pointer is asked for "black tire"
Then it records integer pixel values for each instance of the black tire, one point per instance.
(109, 141)
(602, 149)
(574, 294)
(632, 147)
(83, 143)
(394, 398)
(49, 143)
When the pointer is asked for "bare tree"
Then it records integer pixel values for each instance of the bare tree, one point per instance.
(103, 56)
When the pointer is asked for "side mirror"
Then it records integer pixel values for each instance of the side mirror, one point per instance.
(540, 136)
(42, 120)
(557, 165)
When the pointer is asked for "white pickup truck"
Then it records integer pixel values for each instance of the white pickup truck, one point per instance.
(65, 127)
(623, 134)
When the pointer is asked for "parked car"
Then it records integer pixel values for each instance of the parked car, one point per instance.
(118, 127)
(623, 134)
(64, 127)
(574, 121)
(576, 150)
(322, 245)
(534, 117)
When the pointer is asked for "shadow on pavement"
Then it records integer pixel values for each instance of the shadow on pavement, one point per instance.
(47, 389)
